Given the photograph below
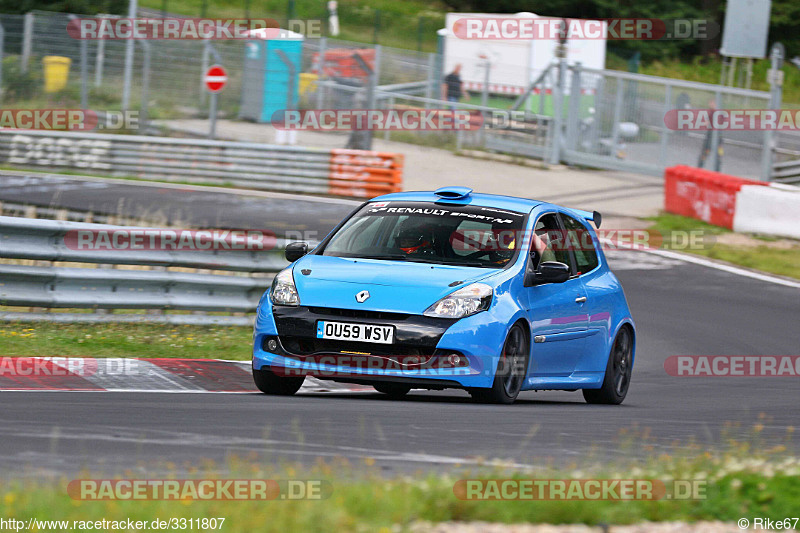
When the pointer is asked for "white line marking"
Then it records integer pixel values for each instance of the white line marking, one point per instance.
(726, 268)
(688, 258)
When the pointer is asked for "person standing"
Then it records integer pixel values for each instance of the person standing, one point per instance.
(706, 150)
(453, 87)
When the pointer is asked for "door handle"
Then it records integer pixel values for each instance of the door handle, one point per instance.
(580, 299)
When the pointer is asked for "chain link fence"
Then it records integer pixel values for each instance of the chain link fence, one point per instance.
(595, 118)
(175, 73)
(617, 120)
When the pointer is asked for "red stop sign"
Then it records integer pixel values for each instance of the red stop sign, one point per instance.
(215, 78)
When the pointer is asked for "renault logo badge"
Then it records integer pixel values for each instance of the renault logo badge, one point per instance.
(362, 296)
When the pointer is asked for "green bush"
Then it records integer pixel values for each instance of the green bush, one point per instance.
(19, 85)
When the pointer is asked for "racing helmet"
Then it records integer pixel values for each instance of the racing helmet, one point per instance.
(413, 239)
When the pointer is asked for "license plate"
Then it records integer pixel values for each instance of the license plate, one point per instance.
(344, 331)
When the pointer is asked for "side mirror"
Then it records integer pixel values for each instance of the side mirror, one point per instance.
(548, 272)
(295, 250)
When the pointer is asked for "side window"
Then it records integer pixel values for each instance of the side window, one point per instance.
(547, 242)
(580, 240)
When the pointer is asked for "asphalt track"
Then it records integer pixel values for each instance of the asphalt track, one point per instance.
(681, 308)
(177, 205)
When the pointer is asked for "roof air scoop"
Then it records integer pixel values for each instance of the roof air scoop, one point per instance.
(453, 193)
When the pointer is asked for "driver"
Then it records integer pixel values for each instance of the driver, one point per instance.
(415, 239)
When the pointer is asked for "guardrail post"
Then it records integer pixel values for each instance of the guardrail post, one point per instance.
(99, 60)
(715, 160)
(617, 116)
(430, 86)
(2, 43)
(775, 97)
(377, 67)
(27, 41)
(386, 132)
(574, 107)
(145, 87)
(204, 64)
(558, 111)
(372, 81)
(487, 66)
(84, 74)
(321, 72)
(665, 133)
(128, 72)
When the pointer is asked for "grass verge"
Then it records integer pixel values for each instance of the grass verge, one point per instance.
(767, 254)
(125, 340)
(743, 484)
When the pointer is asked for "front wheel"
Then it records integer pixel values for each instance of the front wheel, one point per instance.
(270, 383)
(618, 372)
(511, 370)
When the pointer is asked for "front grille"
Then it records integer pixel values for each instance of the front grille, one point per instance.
(310, 345)
(364, 356)
(357, 313)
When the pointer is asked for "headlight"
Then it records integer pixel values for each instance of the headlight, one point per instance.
(283, 291)
(463, 302)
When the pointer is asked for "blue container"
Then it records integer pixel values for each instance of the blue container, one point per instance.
(269, 84)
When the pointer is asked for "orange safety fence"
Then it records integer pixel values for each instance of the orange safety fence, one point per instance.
(364, 173)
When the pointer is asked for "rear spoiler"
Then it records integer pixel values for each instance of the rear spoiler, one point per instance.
(594, 216)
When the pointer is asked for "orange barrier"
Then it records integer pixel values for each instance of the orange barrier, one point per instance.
(340, 63)
(364, 173)
(703, 194)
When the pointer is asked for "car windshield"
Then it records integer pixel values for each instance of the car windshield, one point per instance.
(428, 232)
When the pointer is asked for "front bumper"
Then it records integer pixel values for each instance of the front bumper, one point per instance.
(418, 355)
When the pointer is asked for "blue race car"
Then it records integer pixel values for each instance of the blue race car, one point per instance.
(450, 289)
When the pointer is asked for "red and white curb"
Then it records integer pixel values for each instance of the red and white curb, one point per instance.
(141, 375)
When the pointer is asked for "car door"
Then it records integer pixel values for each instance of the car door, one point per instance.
(555, 310)
(600, 287)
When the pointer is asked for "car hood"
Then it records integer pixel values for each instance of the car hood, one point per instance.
(394, 286)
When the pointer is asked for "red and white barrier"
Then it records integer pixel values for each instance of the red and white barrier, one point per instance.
(735, 203)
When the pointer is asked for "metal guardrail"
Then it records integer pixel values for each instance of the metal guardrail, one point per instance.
(356, 173)
(519, 133)
(786, 171)
(111, 288)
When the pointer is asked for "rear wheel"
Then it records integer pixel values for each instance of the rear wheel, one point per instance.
(393, 390)
(618, 372)
(270, 383)
(511, 370)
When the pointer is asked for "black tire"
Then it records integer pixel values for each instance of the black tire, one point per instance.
(270, 383)
(511, 370)
(392, 390)
(618, 372)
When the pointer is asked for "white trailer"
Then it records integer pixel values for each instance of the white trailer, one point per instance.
(514, 63)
